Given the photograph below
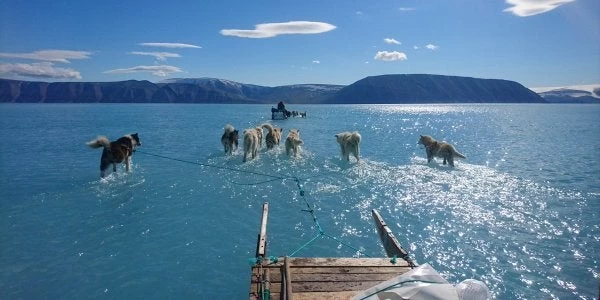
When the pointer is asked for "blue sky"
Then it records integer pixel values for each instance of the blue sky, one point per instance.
(535, 42)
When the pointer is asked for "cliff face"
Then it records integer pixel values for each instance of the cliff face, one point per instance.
(375, 89)
(423, 88)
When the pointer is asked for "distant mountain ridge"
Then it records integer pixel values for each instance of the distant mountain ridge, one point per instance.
(427, 88)
(571, 94)
(399, 88)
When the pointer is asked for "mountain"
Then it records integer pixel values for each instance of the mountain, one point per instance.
(425, 88)
(571, 94)
(401, 88)
(298, 93)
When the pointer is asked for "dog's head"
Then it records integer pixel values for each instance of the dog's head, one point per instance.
(426, 140)
(340, 137)
(135, 140)
(234, 135)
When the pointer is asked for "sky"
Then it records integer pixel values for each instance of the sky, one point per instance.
(538, 43)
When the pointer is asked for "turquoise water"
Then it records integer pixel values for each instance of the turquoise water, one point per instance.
(521, 213)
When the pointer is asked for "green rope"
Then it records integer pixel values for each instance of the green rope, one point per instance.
(310, 209)
(305, 244)
(321, 233)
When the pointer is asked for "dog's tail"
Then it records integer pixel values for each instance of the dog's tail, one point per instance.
(268, 127)
(458, 154)
(100, 141)
(228, 128)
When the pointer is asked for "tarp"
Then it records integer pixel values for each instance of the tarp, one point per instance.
(425, 283)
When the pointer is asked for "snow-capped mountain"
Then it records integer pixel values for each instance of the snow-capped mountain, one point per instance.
(589, 93)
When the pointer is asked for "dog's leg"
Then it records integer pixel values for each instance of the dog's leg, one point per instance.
(128, 164)
(450, 160)
(114, 167)
(103, 166)
(444, 161)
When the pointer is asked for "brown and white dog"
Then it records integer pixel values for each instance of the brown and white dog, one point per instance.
(293, 142)
(251, 143)
(273, 136)
(440, 149)
(116, 152)
(229, 139)
(349, 143)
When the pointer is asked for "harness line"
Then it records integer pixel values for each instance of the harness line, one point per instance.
(310, 210)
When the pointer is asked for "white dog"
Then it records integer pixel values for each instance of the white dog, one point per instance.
(349, 143)
(293, 142)
(251, 143)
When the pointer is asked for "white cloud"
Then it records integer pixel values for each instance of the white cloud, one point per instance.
(359, 13)
(316, 61)
(162, 56)
(62, 56)
(406, 8)
(391, 41)
(416, 47)
(526, 8)
(390, 56)
(162, 70)
(432, 47)
(268, 30)
(169, 45)
(38, 70)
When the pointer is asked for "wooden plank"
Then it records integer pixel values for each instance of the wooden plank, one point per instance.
(304, 287)
(343, 277)
(351, 270)
(261, 247)
(301, 287)
(276, 272)
(267, 285)
(288, 279)
(325, 295)
(390, 243)
(344, 262)
(336, 262)
(332, 277)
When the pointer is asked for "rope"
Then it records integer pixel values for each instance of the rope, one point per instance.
(217, 167)
(321, 232)
(310, 210)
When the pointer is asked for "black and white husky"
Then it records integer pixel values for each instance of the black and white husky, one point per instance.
(229, 139)
(116, 152)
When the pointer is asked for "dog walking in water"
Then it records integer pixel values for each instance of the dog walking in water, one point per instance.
(444, 150)
(349, 143)
(229, 139)
(116, 152)
(273, 136)
(251, 143)
(293, 142)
